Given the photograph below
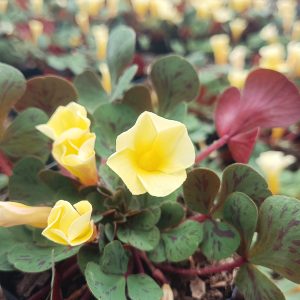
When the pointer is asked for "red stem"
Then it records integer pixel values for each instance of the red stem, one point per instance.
(5, 165)
(200, 218)
(211, 148)
(205, 271)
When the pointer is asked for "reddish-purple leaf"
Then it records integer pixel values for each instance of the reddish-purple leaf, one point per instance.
(268, 100)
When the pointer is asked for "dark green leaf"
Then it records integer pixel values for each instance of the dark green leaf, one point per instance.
(200, 189)
(109, 177)
(158, 255)
(278, 242)
(114, 259)
(254, 285)
(90, 90)
(241, 212)
(86, 254)
(171, 215)
(120, 50)
(143, 287)
(220, 240)
(175, 81)
(47, 93)
(182, 241)
(145, 220)
(104, 286)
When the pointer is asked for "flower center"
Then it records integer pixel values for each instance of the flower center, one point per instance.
(149, 161)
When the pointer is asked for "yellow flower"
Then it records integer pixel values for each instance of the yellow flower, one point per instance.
(101, 34)
(36, 29)
(220, 46)
(65, 118)
(13, 214)
(237, 77)
(272, 164)
(240, 5)
(70, 225)
(75, 152)
(152, 155)
(237, 27)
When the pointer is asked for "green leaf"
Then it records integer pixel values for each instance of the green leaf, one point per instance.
(90, 90)
(47, 93)
(120, 50)
(182, 241)
(110, 121)
(109, 177)
(242, 178)
(158, 255)
(200, 189)
(254, 285)
(171, 215)
(241, 212)
(22, 138)
(278, 243)
(26, 186)
(123, 83)
(114, 259)
(139, 98)
(86, 254)
(28, 257)
(175, 81)
(143, 287)
(10, 237)
(146, 219)
(220, 240)
(178, 112)
(145, 240)
(12, 87)
(104, 286)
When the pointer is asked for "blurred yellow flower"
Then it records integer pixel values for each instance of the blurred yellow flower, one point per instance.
(36, 29)
(152, 155)
(220, 47)
(65, 118)
(140, 7)
(272, 163)
(105, 79)
(70, 225)
(240, 5)
(13, 214)
(237, 77)
(167, 292)
(75, 152)
(237, 27)
(101, 33)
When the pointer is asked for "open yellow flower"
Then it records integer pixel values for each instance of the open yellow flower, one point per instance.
(65, 118)
(70, 225)
(13, 214)
(152, 155)
(75, 152)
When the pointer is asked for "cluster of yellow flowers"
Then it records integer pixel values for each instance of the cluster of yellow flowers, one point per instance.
(73, 146)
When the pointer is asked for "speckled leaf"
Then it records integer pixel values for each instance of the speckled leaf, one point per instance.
(114, 259)
(200, 189)
(146, 219)
(171, 215)
(220, 240)
(174, 80)
(158, 255)
(110, 121)
(242, 178)
(104, 286)
(278, 243)
(143, 287)
(145, 240)
(120, 50)
(182, 241)
(47, 93)
(12, 87)
(139, 98)
(241, 212)
(22, 138)
(90, 90)
(28, 257)
(86, 254)
(109, 177)
(254, 285)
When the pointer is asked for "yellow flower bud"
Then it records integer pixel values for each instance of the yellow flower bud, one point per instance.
(3, 6)
(237, 57)
(272, 163)
(296, 31)
(222, 15)
(75, 152)
(152, 155)
(65, 118)
(272, 57)
(37, 6)
(203, 9)
(293, 59)
(13, 214)
(82, 20)
(167, 292)
(94, 7)
(106, 79)
(100, 33)
(70, 224)
(216, 4)
(112, 7)
(36, 29)
(164, 10)
(287, 13)
(237, 27)
(140, 7)
(277, 133)
(237, 77)
(269, 34)
(240, 5)
(220, 46)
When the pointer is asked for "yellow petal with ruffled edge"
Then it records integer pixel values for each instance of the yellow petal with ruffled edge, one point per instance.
(65, 118)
